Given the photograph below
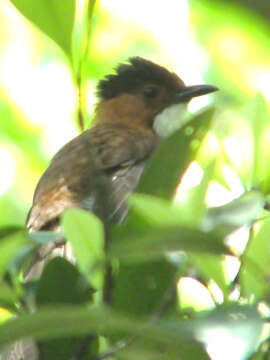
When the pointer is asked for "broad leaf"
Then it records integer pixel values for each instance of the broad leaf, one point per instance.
(55, 322)
(57, 279)
(10, 246)
(154, 243)
(50, 323)
(8, 296)
(140, 349)
(156, 211)
(254, 272)
(54, 288)
(239, 212)
(81, 35)
(53, 17)
(142, 289)
(210, 267)
(225, 328)
(195, 205)
(258, 117)
(168, 165)
(10, 230)
(242, 323)
(85, 233)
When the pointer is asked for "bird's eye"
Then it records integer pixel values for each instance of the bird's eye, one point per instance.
(150, 91)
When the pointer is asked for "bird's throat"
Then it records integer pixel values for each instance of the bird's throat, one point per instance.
(170, 120)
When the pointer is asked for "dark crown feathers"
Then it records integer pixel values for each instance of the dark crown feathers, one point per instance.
(130, 76)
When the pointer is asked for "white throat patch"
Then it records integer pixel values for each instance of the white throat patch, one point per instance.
(170, 120)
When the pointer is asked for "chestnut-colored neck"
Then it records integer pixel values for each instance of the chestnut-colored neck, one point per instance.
(124, 109)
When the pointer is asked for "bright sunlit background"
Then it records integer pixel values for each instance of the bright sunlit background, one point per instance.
(202, 41)
(38, 100)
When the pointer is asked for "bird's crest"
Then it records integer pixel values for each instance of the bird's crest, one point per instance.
(129, 77)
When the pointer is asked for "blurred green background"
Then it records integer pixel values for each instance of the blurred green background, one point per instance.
(223, 43)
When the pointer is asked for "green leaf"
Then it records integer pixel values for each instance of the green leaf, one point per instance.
(156, 211)
(239, 212)
(142, 245)
(140, 289)
(195, 204)
(81, 35)
(58, 277)
(9, 230)
(86, 235)
(260, 355)
(73, 320)
(53, 17)
(140, 349)
(68, 347)
(168, 164)
(242, 323)
(257, 115)
(61, 321)
(211, 268)
(254, 272)
(54, 288)
(238, 325)
(10, 246)
(8, 296)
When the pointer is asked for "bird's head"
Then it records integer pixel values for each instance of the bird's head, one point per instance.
(142, 93)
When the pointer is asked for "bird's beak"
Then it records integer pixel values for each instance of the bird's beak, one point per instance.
(189, 92)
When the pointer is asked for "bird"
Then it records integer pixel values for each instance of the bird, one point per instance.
(138, 106)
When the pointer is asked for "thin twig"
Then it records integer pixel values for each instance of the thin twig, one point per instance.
(80, 105)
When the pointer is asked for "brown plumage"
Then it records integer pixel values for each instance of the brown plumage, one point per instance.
(138, 106)
(115, 149)
(71, 177)
(98, 169)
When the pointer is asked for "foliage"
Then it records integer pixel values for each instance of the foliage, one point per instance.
(160, 242)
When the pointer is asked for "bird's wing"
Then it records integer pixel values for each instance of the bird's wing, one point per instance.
(96, 158)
